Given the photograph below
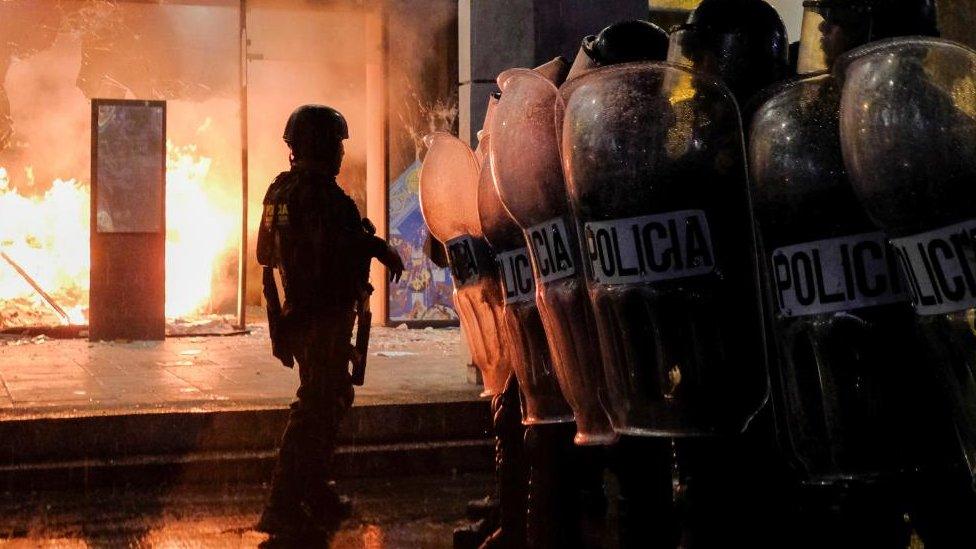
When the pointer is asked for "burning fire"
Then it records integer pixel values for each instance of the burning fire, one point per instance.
(48, 237)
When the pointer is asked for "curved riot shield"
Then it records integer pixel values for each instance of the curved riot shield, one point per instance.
(848, 359)
(528, 177)
(908, 132)
(449, 202)
(448, 186)
(654, 164)
(481, 151)
(542, 400)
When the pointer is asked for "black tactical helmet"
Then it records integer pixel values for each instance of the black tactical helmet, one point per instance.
(741, 41)
(315, 123)
(623, 42)
(628, 41)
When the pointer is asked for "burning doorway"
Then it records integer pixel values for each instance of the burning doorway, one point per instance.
(60, 54)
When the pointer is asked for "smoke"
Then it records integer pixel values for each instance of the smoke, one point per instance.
(97, 49)
(422, 50)
(63, 53)
(419, 118)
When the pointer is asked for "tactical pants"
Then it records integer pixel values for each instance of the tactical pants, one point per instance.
(321, 348)
(511, 469)
(556, 486)
(736, 490)
(645, 505)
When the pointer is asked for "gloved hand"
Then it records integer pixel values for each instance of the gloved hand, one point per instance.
(391, 259)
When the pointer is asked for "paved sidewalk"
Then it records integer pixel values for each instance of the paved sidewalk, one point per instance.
(50, 378)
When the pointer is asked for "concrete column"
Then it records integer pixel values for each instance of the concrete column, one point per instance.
(376, 173)
(494, 36)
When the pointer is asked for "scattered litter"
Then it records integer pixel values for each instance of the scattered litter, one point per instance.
(402, 327)
(394, 354)
(175, 363)
(200, 326)
(191, 352)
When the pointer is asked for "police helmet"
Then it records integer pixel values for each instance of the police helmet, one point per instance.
(743, 41)
(884, 18)
(315, 123)
(852, 23)
(628, 41)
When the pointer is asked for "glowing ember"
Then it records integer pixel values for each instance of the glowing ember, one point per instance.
(48, 236)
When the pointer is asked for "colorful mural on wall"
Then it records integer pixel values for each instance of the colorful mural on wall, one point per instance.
(424, 294)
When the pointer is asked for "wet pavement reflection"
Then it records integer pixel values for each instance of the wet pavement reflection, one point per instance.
(389, 512)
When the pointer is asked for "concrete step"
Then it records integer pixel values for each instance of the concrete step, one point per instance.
(235, 445)
(222, 468)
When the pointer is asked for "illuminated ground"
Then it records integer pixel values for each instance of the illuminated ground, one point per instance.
(43, 377)
(111, 493)
(393, 512)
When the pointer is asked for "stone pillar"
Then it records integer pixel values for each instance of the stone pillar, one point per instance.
(494, 36)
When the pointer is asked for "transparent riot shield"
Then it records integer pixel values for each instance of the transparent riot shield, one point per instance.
(654, 163)
(908, 134)
(481, 151)
(542, 400)
(449, 202)
(848, 359)
(528, 177)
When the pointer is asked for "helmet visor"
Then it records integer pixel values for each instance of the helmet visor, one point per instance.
(744, 61)
(827, 31)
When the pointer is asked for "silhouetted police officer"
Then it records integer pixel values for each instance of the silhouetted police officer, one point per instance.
(312, 233)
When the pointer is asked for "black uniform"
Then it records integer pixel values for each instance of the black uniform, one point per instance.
(312, 233)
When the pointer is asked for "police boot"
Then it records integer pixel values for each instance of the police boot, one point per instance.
(554, 495)
(511, 471)
(325, 507)
(482, 515)
(483, 508)
(647, 517)
(283, 516)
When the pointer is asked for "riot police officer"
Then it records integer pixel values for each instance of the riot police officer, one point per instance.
(847, 356)
(744, 44)
(907, 135)
(313, 235)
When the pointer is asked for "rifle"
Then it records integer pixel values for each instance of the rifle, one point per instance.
(279, 345)
(364, 319)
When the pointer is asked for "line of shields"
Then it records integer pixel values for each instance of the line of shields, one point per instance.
(709, 315)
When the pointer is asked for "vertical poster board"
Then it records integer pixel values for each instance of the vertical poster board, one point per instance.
(424, 296)
(128, 220)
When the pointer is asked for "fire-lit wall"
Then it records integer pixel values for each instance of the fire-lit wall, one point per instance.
(388, 66)
(421, 37)
(55, 56)
(299, 54)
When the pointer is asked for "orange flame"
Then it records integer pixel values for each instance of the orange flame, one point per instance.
(48, 235)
